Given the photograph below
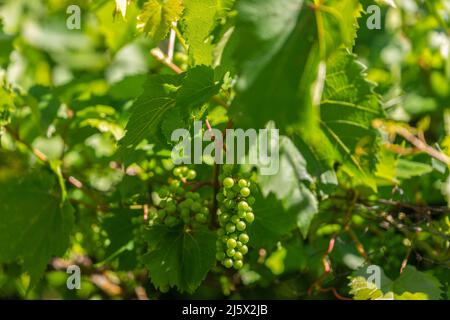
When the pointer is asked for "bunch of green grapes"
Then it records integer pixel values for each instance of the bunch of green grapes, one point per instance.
(178, 205)
(234, 214)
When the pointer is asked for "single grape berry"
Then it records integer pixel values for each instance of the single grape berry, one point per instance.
(238, 256)
(230, 228)
(231, 252)
(238, 264)
(242, 183)
(241, 226)
(231, 243)
(191, 175)
(249, 217)
(220, 256)
(243, 249)
(243, 206)
(228, 182)
(243, 237)
(245, 192)
(228, 263)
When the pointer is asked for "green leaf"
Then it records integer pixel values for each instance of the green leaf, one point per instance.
(413, 281)
(157, 16)
(407, 169)
(274, 61)
(199, 86)
(180, 258)
(34, 224)
(164, 98)
(149, 109)
(288, 185)
(271, 223)
(410, 285)
(199, 19)
(6, 105)
(348, 107)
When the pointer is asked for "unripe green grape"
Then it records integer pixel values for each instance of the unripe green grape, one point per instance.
(220, 197)
(242, 183)
(231, 252)
(162, 214)
(184, 170)
(229, 204)
(163, 193)
(196, 207)
(241, 214)
(251, 200)
(163, 204)
(235, 219)
(238, 256)
(236, 188)
(239, 244)
(228, 263)
(244, 238)
(191, 175)
(224, 239)
(230, 228)
(171, 221)
(199, 217)
(196, 196)
(243, 206)
(241, 226)
(223, 218)
(220, 256)
(177, 172)
(243, 249)
(205, 211)
(245, 192)
(233, 236)
(238, 264)
(231, 243)
(171, 208)
(185, 213)
(220, 232)
(249, 217)
(180, 191)
(228, 182)
(231, 195)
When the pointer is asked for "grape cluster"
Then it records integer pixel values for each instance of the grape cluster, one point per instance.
(234, 214)
(178, 205)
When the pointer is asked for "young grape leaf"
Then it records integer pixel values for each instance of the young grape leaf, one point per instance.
(157, 16)
(34, 224)
(199, 19)
(180, 258)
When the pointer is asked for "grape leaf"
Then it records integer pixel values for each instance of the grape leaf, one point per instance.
(271, 223)
(180, 258)
(348, 107)
(34, 224)
(149, 109)
(411, 284)
(199, 19)
(288, 185)
(167, 95)
(157, 17)
(272, 59)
